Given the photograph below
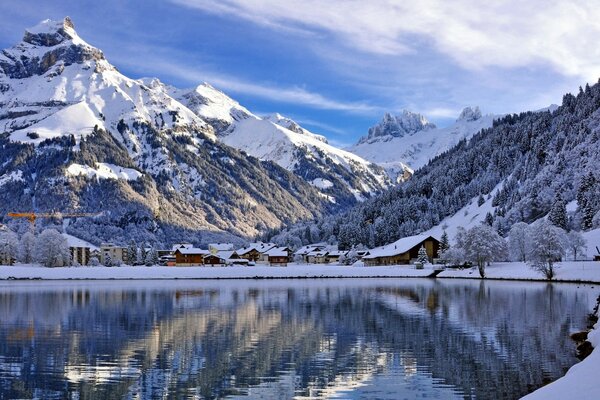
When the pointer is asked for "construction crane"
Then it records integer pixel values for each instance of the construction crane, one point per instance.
(32, 216)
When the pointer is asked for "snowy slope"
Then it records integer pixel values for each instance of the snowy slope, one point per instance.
(341, 176)
(76, 133)
(408, 141)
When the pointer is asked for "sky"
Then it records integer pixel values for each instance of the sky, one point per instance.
(337, 66)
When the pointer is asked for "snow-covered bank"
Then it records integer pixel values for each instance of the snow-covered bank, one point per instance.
(580, 382)
(291, 271)
(570, 271)
(567, 271)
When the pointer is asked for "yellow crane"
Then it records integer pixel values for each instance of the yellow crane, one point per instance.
(32, 216)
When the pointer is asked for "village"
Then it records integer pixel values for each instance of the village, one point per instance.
(409, 250)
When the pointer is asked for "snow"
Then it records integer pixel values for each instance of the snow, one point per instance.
(104, 171)
(415, 149)
(566, 271)
(322, 183)
(76, 242)
(14, 176)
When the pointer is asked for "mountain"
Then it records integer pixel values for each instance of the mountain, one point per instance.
(76, 134)
(404, 143)
(516, 170)
(341, 177)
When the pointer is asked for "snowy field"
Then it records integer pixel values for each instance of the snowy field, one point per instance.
(587, 271)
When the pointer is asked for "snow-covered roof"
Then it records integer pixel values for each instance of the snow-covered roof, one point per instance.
(310, 247)
(259, 246)
(181, 246)
(76, 242)
(226, 254)
(278, 252)
(318, 253)
(192, 250)
(398, 247)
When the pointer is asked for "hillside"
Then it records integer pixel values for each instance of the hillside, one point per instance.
(522, 163)
(76, 134)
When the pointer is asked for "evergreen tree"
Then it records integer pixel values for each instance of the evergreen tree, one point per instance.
(558, 213)
(480, 200)
(422, 257)
(132, 253)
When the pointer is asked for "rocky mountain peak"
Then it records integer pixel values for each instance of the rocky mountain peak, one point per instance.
(470, 114)
(46, 45)
(49, 33)
(407, 123)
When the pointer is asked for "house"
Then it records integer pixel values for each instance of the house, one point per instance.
(223, 258)
(116, 254)
(403, 251)
(302, 253)
(333, 256)
(255, 251)
(279, 256)
(189, 256)
(181, 246)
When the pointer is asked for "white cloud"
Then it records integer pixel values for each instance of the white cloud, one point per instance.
(294, 95)
(475, 34)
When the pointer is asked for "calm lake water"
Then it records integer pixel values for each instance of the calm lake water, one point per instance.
(343, 339)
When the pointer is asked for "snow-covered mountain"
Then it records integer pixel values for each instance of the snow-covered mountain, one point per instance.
(404, 143)
(341, 177)
(75, 133)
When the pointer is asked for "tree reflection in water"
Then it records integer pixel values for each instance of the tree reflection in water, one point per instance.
(284, 339)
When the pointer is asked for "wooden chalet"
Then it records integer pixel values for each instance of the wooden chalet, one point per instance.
(403, 251)
(279, 256)
(189, 256)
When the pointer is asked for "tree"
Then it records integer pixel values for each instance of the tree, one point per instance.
(444, 242)
(9, 245)
(547, 247)
(575, 244)
(27, 248)
(94, 262)
(140, 255)
(519, 242)
(480, 200)
(108, 262)
(422, 257)
(151, 257)
(132, 251)
(52, 249)
(558, 212)
(482, 245)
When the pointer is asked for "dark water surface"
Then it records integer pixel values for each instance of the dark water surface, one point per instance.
(347, 339)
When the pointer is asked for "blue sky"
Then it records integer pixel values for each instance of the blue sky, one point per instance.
(336, 67)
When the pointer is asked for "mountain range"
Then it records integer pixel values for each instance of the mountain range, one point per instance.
(164, 164)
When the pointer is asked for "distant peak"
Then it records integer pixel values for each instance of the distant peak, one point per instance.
(406, 123)
(470, 114)
(49, 33)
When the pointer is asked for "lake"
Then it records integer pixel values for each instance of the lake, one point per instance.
(280, 339)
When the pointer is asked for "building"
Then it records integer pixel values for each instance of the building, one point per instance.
(403, 251)
(117, 254)
(224, 258)
(256, 252)
(279, 256)
(189, 256)
(302, 254)
(81, 251)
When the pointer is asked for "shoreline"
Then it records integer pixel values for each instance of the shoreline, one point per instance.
(577, 273)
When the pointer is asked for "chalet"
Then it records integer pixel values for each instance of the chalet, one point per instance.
(223, 258)
(255, 252)
(403, 251)
(303, 252)
(279, 256)
(333, 256)
(181, 246)
(190, 256)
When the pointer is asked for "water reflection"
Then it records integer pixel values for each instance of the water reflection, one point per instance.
(384, 339)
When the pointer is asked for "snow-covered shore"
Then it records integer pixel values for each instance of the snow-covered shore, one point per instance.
(565, 272)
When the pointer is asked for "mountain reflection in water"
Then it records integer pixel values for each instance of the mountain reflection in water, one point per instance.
(375, 339)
